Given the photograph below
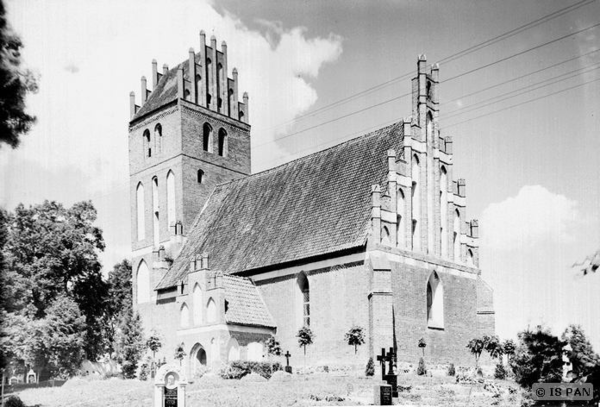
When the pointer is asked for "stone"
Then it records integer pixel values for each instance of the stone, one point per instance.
(382, 395)
(169, 387)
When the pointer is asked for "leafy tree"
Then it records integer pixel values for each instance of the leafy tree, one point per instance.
(422, 344)
(538, 358)
(180, 353)
(154, 343)
(131, 344)
(305, 337)
(118, 299)
(3, 293)
(355, 337)
(52, 252)
(494, 347)
(421, 369)
(581, 355)
(476, 347)
(273, 346)
(15, 83)
(509, 348)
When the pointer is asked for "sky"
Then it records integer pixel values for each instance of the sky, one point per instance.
(523, 112)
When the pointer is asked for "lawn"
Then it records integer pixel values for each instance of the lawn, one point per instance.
(311, 390)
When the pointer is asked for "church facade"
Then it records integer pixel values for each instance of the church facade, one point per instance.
(372, 232)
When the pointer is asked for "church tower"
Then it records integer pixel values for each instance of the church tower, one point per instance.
(189, 133)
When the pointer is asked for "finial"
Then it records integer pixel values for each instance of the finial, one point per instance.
(234, 70)
(436, 66)
(202, 32)
(213, 38)
(224, 44)
(191, 50)
(153, 60)
(422, 57)
(132, 93)
(245, 94)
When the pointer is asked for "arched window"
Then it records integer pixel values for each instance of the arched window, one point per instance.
(207, 138)
(143, 283)
(456, 236)
(470, 261)
(222, 143)
(255, 351)
(155, 211)
(443, 212)
(140, 210)
(416, 204)
(198, 87)
(171, 218)
(400, 209)
(234, 350)
(147, 143)
(158, 137)
(184, 313)
(200, 176)
(219, 86)
(198, 304)
(208, 69)
(429, 128)
(385, 236)
(230, 104)
(435, 302)
(187, 95)
(241, 116)
(303, 300)
(211, 312)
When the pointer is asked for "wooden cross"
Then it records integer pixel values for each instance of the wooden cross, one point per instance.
(287, 357)
(382, 359)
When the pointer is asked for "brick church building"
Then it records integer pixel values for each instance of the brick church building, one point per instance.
(372, 232)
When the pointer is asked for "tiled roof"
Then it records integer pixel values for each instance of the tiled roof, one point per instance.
(245, 304)
(312, 206)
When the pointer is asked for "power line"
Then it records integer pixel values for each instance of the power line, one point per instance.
(523, 90)
(449, 58)
(524, 76)
(523, 103)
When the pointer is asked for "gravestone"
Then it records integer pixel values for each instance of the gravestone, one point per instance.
(169, 387)
(390, 377)
(31, 376)
(288, 368)
(383, 395)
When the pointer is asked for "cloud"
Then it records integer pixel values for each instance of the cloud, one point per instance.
(532, 217)
(83, 117)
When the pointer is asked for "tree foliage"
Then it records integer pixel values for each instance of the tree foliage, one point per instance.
(131, 344)
(273, 346)
(582, 355)
(305, 337)
(537, 358)
(15, 83)
(476, 347)
(493, 346)
(119, 298)
(180, 352)
(355, 337)
(370, 369)
(51, 252)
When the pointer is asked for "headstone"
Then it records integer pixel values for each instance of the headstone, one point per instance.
(31, 376)
(288, 368)
(169, 387)
(382, 395)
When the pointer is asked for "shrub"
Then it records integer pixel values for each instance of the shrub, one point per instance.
(14, 401)
(238, 369)
(370, 370)
(500, 372)
(451, 370)
(144, 371)
(422, 369)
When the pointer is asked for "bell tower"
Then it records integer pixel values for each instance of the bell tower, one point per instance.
(189, 133)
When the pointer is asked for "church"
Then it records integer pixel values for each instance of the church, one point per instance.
(372, 232)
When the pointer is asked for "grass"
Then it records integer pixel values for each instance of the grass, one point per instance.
(310, 390)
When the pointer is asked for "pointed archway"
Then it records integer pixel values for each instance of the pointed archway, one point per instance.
(197, 359)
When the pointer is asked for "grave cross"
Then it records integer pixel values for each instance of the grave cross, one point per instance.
(390, 358)
(287, 357)
(382, 359)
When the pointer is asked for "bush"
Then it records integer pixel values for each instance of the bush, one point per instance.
(500, 372)
(238, 369)
(14, 401)
(451, 370)
(144, 371)
(370, 370)
(422, 369)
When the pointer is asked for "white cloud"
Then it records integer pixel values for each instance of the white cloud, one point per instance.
(91, 54)
(532, 217)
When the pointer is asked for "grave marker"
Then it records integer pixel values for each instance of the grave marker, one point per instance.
(288, 368)
(169, 387)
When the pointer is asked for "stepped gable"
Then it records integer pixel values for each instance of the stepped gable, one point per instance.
(311, 206)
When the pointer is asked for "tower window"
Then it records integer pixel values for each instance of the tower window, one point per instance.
(416, 204)
(200, 176)
(185, 316)
(158, 137)
(400, 219)
(198, 87)
(456, 236)
(443, 212)
(155, 211)
(140, 209)
(147, 141)
(171, 199)
(207, 132)
(143, 283)
(222, 143)
(304, 299)
(187, 95)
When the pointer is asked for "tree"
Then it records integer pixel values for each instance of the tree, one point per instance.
(180, 353)
(3, 294)
(476, 347)
(355, 337)
(52, 252)
(582, 355)
(154, 344)
(15, 83)
(370, 369)
(494, 347)
(305, 337)
(538, 358)
(509, 347)
(118, 299)
(273, 346)
(131, 342)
